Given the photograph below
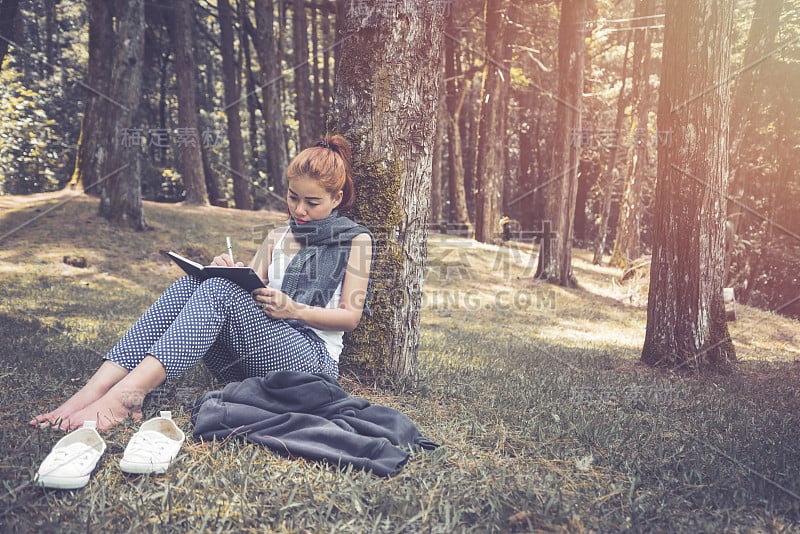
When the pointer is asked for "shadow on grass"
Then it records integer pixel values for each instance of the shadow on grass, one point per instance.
(548, 422)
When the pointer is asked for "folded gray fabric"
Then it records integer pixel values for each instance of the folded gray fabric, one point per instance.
(310, 416)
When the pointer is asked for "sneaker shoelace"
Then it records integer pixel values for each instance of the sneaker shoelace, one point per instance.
(78, 454)
(148, 443)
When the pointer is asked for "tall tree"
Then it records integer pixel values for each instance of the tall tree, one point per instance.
(760, 45)
(302, 83)
(233, 98)
(686, 325)
(275, 136)
(610, 174)
(92, 150)
(121, 181)
(491, 133)
(627, 245)
(562, 188)
(385, 103)
(456, 93)
(190, 147)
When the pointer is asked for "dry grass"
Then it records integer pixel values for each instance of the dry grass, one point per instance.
(548, 421)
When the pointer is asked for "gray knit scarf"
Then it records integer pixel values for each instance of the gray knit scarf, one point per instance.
(315, 272)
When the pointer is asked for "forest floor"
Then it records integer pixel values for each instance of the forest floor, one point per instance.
(548, 421)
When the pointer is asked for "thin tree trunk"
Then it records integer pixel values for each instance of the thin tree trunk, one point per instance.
(556, 266)
(457, 185)
(454, 99)
(611, 174)
(191, 158)
(627, 245)
(275, 136)
(302, 84)
(92, 149)
(436, 157)
(686, 325)
(121, 191)
(327, 42)
(233, 97)
(520, 206)
(245, 34)
(489, 166)
(316, 91)
(389, 114)
(760, 42)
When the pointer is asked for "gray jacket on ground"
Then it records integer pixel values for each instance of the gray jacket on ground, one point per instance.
(310, 416)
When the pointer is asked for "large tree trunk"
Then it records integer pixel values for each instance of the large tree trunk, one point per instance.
(233, 97)
(386, 94)
(121, 181)
(191, 158)
(92, 149)
(275, 137)
(686, 325)
(562, 188)
(628, 242)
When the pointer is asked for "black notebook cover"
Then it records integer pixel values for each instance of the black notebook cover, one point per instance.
(245, 277)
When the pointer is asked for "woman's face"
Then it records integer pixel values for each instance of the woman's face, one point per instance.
(309, 201)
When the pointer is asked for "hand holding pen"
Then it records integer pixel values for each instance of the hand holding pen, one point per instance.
(226, 260)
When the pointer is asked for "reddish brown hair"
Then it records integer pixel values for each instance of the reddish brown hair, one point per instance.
(329, 162)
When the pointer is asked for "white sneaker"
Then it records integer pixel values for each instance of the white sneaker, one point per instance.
(72, 459)
(154, 447)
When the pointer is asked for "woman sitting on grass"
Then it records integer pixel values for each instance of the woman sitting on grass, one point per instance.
(317, 270)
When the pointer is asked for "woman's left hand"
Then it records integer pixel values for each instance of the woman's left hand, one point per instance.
(275, 303)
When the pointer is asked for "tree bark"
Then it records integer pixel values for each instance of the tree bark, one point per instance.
(489, 168)
(686, 326)
(189, 150)
(302, 84)
(233, 97)
(628, 242)
(92, 150)
(436, 157)
(253, 105)
(385, 103)
(611, 174)
(760, 43)
(121, 181)
(454, 99)
(274, 134)
(562, 188)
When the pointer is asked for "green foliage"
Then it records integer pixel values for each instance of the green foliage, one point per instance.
(31, 160)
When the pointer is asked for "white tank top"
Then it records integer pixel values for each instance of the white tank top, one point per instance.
(277, 268)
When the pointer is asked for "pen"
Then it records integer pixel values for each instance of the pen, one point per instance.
(230, 248)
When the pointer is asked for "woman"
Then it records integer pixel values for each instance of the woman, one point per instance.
(317, 273)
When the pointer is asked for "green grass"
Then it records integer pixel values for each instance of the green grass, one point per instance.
(548, 421)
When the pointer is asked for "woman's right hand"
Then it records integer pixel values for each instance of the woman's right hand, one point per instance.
(223, 260)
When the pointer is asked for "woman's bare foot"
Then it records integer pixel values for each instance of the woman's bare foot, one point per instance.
(84, 397)
(98, 385)
(109, 410)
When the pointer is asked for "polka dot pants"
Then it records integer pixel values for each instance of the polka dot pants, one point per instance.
(218, 322)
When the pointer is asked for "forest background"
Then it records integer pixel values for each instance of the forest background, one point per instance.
(263, 88)
(547, 421)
